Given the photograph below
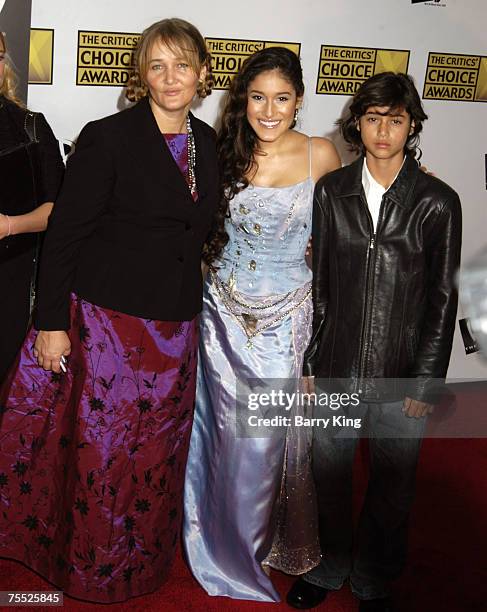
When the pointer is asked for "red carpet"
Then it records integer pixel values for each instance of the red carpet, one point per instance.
(447, 569)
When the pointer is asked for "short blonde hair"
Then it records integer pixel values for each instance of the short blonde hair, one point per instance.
(181, 37)
(8, 85)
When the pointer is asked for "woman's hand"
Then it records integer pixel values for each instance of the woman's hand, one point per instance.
(204, 269)
(4, 226)
(34, 221)
(426, 171)
(309, 246)
(49, 347)
(308, 256)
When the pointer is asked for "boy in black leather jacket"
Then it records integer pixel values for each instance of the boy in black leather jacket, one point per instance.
(386, 247)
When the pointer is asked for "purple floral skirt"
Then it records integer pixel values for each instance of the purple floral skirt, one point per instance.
(92, 462)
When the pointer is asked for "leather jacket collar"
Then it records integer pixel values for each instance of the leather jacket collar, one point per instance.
(399, 192)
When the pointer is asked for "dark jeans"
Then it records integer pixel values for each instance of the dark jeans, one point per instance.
(381, 539)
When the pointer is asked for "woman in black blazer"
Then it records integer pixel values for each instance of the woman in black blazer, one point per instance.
(103, 447)
(31, 171)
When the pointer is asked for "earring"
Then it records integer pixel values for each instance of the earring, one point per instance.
(296, 115)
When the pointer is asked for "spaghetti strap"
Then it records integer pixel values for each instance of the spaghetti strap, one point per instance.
(309, 156)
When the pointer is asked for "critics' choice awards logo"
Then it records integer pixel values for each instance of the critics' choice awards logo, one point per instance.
(460, 78)
(41, 56)
(343, 69)
(105, 58)
(228, 55)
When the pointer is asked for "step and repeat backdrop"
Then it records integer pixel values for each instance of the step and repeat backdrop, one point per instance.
(81, 52)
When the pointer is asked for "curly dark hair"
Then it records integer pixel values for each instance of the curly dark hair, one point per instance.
(218, 237)
(394, 90)
(237, 141)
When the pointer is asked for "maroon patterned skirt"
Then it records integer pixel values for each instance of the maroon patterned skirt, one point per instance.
(92, 462)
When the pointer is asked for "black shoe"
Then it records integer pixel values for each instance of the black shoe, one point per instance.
(383, 604)
(304, 595)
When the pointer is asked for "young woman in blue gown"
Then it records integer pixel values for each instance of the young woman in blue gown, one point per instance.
(249, 500)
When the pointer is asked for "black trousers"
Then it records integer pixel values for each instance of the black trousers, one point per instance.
(377, 554)
(16, 272)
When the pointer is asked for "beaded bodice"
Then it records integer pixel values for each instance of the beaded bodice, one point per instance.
(269, 229)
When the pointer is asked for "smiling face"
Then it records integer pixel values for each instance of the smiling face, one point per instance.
(271, 104)
(384, 132)
(171, 80)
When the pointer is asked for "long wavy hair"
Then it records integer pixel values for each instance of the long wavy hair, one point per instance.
(8, 85)
(393, 90)
(237, 141)
(180, 36)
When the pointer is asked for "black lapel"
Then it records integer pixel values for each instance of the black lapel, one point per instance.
(351, 179)
(401, 189)
(149, 148)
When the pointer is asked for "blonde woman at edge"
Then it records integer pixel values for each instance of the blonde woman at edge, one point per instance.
(31, 172)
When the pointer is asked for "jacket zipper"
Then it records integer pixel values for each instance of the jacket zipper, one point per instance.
(369, 287)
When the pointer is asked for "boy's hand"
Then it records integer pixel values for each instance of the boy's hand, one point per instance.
(415, 408)
(308, 384)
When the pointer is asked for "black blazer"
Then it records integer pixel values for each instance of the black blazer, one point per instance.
(22, 191)
(31, 171)
(125, 233)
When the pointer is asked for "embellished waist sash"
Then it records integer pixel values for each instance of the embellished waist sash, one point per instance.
(255, 314)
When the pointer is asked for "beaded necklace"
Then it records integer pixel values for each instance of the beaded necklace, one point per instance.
(191, 157)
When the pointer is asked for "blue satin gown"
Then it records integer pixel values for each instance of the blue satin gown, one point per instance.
(256, 322)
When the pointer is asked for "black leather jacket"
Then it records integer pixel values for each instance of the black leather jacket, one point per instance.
(385, 302)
